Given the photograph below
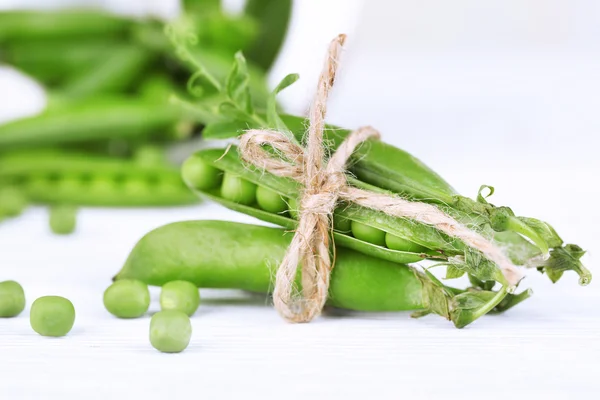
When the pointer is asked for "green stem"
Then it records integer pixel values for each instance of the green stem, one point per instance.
(516, 225)
(486, 308)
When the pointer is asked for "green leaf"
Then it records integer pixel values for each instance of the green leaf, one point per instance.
(453, 272)
(435, 297)
(478, 266)
(231, 111)
(469, 306)
(237, 85)
(472, 300)
(566, 259)
(544, 230)
(480, 197)
(273, 118)
(224, 130)
(479, 284)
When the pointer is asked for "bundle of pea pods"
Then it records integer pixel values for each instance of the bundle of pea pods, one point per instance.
(373, 250)
(111, 118)
(382, 263)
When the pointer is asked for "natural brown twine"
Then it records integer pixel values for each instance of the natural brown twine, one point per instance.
(324, 185)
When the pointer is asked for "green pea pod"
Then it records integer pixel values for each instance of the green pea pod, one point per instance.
(273, 17)
(387, 167)
(199, 6)
(25, 24)
(94, 119)
(219, 254)
(227, 161)
(56, 61)
(436, 245)
(117, 73)
(58, 177)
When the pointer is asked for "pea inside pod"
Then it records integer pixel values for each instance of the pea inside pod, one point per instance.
(238, 189)
(368, 233)
(270, 200)
(60, 177)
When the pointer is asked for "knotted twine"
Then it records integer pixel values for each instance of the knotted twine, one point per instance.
(324, 185)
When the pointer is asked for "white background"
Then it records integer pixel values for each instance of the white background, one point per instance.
(497, 92)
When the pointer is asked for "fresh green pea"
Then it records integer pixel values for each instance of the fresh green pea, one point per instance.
(70, 184)
(136, 188)
(270, 200)
(200, 175)
(12, 201)
(170, 331)
(342, 224)
(52, 316)
(397, 243)
(150, 155)
(237, 189)
(12, 299)
(102, 186)
(180, 295)
(127, 298)
(63, 219)
(368, 233)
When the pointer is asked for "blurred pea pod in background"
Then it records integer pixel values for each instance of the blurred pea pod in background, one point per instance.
(109, 80)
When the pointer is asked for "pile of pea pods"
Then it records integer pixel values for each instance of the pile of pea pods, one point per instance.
(115, 86)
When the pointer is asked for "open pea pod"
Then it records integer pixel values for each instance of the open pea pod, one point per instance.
(386, 167)
(433, 244)
(59, 177)
(227, 162)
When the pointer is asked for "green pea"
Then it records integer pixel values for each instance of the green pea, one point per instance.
(270, 200)
(70, 184)
(52, 316)
(397, 243)
(137, 188)
(12, 299)
(12, 201)
(170, 331)
(180, 295)
(63, 219)
(150, 155)
(368, 233)
(127, 298)
(342, 224)
(199, 175)
(102, 186)
(37, 184)
(237, 189)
